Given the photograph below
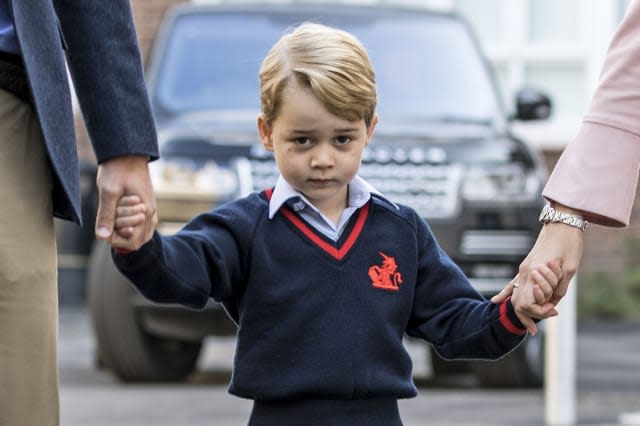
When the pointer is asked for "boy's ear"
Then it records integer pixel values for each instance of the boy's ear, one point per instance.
(265, 133)
(371, 128)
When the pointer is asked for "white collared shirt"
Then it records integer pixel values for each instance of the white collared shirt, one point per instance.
(359, 194)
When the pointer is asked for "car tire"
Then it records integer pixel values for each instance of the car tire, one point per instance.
(523, 367)
(123, 346)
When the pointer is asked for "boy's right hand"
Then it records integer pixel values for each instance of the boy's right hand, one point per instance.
(130, 213)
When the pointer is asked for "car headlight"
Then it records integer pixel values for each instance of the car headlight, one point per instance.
(188, 179)
(501, 183)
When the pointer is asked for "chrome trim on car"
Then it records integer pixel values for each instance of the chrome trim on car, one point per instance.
(496, 242)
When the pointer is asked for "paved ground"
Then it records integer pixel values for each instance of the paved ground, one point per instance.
(608, 387)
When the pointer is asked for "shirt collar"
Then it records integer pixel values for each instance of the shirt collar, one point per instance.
(360, 192)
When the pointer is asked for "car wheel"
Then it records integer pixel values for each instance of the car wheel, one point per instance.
(524, 367)
(130, 352)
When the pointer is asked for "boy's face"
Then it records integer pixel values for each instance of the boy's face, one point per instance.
(317, 152)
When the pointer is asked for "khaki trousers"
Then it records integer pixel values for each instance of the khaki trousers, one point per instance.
(28, 272)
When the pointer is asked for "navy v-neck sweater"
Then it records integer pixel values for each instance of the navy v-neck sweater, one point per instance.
(319, 319)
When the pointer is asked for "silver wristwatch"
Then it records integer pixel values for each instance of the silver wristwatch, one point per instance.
(551, 215)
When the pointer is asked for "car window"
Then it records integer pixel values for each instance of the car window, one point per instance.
(426, 68)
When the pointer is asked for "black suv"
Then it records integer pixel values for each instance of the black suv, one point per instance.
(442, 146)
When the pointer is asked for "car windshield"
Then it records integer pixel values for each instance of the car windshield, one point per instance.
(427, 67)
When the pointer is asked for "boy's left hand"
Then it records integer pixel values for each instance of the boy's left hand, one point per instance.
(130, 213)
(546, 278)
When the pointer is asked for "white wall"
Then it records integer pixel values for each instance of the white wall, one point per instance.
(557, 46)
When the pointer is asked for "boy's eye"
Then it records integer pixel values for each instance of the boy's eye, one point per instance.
(342, 140)
(302, 140)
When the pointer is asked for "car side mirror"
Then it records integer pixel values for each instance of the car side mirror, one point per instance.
(532, 104)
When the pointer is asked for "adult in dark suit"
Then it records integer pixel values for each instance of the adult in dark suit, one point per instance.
(39, 176)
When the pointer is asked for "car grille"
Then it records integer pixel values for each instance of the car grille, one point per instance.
(408, 176)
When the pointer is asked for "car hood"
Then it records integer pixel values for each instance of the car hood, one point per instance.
(452, 143)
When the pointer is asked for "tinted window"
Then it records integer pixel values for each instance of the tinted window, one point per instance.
(426, 67)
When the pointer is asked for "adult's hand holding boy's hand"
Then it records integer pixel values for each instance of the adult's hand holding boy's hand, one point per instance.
(545, 279)
(130, 214)
(118, 177)
(558, 242)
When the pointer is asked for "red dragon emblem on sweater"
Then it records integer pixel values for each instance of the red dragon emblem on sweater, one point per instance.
(386, 276)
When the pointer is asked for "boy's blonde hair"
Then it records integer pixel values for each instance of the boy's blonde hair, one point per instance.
(331, 63)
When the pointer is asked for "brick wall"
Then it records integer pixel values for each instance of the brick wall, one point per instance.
(147, 16)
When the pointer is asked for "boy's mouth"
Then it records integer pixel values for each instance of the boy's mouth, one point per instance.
(320, 181)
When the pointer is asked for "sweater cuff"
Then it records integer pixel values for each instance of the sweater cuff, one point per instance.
(509, 319)
(134, 259)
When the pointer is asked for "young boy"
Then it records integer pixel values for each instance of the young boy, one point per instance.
(323, 274)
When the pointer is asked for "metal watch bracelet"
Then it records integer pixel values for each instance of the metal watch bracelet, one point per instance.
(551, 215)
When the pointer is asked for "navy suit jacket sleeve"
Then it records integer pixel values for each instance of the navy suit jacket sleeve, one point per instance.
(106, 68)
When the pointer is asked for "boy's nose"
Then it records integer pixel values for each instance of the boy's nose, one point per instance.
(322, 157)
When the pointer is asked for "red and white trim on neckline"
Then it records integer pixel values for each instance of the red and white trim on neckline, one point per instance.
(337, 253)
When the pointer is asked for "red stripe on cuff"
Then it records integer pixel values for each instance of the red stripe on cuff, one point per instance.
(506, 321)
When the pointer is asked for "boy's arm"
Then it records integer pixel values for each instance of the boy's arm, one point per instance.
(161, 280)
(199, 262)
(450, 314)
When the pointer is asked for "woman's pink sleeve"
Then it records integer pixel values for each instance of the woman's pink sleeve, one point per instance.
(598, 170)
